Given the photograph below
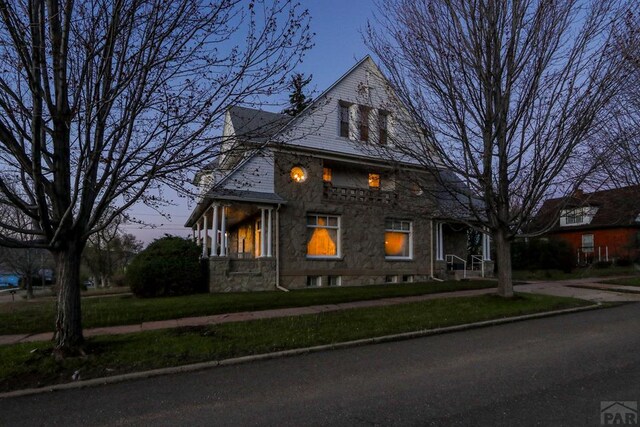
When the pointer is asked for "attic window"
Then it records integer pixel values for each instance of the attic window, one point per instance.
(577, 216)
(364, 123)
(383, 122)
(344, 119)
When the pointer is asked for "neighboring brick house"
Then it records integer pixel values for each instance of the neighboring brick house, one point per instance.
(308, 201)
(603, 225)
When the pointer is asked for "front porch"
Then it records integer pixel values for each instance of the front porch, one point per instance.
(237, 237)
(461, 252)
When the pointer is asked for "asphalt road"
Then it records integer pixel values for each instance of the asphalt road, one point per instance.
(547, 372)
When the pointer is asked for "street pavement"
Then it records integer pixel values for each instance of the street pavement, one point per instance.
(554, 371)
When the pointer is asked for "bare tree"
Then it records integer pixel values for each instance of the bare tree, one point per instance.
(620, 139)
(102, 101)
(108, 252)
(504, 92)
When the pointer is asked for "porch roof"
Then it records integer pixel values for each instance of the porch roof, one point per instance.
(224, 195)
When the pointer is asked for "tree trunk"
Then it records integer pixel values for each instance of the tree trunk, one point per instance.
(503, 258)
(29, 286)
(68, 332)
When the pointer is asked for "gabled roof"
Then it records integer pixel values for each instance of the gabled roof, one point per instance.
(256, 125)
(619, 207)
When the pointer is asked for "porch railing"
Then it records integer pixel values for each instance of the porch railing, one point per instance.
(362, 195)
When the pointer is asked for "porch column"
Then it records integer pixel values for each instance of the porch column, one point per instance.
(269, 244)
(439, 242)
(206, 235)
(486, 247)
(223, 232)
(214, 231)
(263, 233)
(199, 233)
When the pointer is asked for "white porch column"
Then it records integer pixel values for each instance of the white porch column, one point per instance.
(269, 244)
(199, 233)
(439, 242)
(206, 235)
(263, 233)
(223, 232)
(486, 247)
(214, 231)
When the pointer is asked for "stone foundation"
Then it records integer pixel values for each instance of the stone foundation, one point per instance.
(241, 275)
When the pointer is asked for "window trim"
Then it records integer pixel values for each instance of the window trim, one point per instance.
(338, 254)
(409, 232)
(592, 248)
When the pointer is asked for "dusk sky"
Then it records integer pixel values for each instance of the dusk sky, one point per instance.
(338, 46)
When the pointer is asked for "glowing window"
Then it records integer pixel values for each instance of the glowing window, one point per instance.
(398, 239)
(323, 236)
(326, 174)
(374, 180)
(298, 174)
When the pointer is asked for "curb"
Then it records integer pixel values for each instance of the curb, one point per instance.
(288, 353)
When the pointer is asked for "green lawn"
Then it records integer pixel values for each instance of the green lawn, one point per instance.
(577, 273)
(31, 364)
(630, 281)
(38, 316)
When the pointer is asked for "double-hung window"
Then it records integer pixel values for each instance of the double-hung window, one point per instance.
(323, 236)
(344, 120)
(398, 239)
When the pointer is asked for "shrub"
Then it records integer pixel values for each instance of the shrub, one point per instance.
(602, 264)
(168, 266)
(623, 262)
(538, 254)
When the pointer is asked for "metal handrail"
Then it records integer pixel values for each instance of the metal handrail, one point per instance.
(475, 260)
(449, 260)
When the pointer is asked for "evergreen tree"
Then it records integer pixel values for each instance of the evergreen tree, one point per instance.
(298, 100)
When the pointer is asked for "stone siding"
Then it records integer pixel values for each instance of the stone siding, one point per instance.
(240, 275)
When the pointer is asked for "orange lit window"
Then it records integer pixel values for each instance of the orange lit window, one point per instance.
(298, 174)
(398, 239)
(323, 236)
(326, 174)
(374, 180)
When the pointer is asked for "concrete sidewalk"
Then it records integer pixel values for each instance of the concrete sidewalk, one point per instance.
(244, 316)
(596, 292)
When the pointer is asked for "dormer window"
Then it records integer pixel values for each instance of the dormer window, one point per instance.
(577, 216)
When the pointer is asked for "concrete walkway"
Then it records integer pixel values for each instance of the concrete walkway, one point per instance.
(595, 292)
(587, 289)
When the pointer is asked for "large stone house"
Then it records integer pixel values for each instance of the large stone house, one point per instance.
(311, 201)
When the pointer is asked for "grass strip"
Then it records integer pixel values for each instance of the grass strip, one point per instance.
(31, 364)
(629, 281)
(38, 316)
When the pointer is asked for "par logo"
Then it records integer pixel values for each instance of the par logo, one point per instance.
(619, 413)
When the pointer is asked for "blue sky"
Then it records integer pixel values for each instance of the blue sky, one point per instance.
(338, 46)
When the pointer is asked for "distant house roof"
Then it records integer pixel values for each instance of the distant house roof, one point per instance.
(256, 125)
(619, 207)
